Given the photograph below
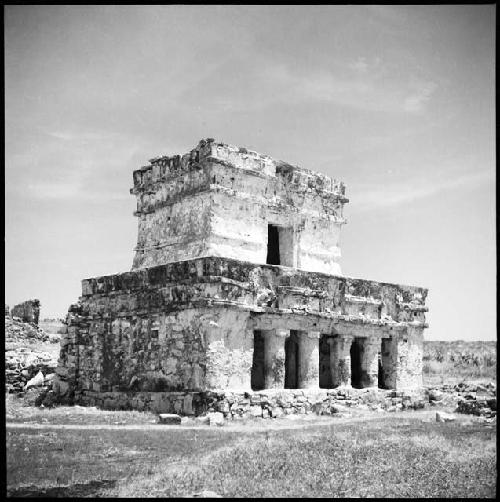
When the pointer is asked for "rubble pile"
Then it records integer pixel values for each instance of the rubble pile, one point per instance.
(23, 365)
(25, 359)
(472, 399)
(18, 331)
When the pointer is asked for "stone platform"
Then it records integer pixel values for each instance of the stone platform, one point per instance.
(218, 323)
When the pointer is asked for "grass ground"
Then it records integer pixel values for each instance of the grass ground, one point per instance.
(404, 454)
(122, 454)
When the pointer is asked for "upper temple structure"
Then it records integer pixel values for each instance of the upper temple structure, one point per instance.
(236, 287)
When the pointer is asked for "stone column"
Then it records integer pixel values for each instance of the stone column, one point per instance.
(308, 377)
(334, 357)
(274, 358)
(389, 353)
(340, 360)
(409, 357)
(369, 361)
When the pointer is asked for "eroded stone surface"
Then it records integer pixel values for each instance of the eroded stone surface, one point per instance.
(195, 205)
(28, 311)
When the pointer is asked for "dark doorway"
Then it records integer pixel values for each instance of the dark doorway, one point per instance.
(257, 375)
(381, 384)
(356, 372)
(291, 361)
(385, 353)
(325, 374)
(273, 245)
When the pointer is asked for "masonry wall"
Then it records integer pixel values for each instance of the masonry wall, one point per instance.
(189, 350)
(218, 200)
(28, 311)
(189, 326)
(175, 232)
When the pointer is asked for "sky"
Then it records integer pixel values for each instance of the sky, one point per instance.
(396, 101)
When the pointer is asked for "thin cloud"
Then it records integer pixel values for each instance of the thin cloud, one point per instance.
(68, 191)
(416, 101)
(383, 196)
(365, 83)
(362, 65)
(80, 136)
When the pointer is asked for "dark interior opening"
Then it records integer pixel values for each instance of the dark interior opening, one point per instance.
(384, 353)
(325, 373)
(381, 379)
(291, 361)
(273, 245)
(356, 373)
(257, 374)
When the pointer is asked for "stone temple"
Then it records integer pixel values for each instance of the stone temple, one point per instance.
(235, 296)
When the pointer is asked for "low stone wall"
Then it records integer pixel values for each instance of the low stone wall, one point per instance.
(262, 404)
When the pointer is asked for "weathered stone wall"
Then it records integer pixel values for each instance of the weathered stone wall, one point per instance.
(28, 311)
(190, 325)
(220, 281)
(218, 200)
(202, 311)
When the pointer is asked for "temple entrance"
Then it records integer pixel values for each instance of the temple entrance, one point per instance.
(381, 376)
(280, 245)
(257, 373)
(291, 361)
(273, 245)
(325, 373)
(356, 373)
(384, 364)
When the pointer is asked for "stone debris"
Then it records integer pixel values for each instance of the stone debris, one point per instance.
(36, 381)
(203, 420)
(169, 419)
(17, 330)
(468, 398)
(478, 406)
(441, 416)
(23, 358)
(216, 418)
(204, 494)
(211, 407)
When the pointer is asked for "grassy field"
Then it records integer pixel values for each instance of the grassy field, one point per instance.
(122, 454)
(398, 455)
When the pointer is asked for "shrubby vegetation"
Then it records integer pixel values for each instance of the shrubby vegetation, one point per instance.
(459, 359)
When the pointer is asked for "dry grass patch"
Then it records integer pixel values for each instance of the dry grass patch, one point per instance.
(397, 455)
(388, 457)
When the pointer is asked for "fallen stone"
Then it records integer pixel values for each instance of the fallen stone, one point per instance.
(49, 378)
(169, 419)
(441, 416)
(256, 411)
(204, 494)
(216, 418)
(435, 395)
(36, 381)
(276, 412)
(338, 408)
